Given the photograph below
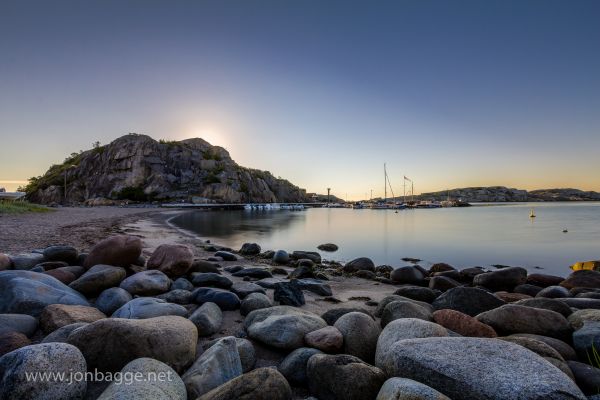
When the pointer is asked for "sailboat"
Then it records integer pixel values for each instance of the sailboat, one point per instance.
(384, 205)
(531, 214)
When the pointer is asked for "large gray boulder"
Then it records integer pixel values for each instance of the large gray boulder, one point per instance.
(503, 279)
(148, 386)
(360, 333)
(359, 264)
(254, 301)
(404, 309)
(467, 300)
(22, 323)
(26, 292)
(17, 367)
(149, 307)
(217, 365)
(407, 389)
(245, 349)
(512, 318)
(98, 278)
(260, 384)
(402, 329)
(478, 369)
(173, 260)
(586, 340)
(109, 344)
(147, 283)
(211, 279)
(282, 327)
(546, 304)
(336, 377)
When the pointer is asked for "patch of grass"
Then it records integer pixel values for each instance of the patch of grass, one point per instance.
(21, 207)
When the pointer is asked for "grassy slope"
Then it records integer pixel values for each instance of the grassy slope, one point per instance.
(20, 207)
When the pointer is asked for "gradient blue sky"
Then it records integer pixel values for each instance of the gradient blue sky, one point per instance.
(450, 93)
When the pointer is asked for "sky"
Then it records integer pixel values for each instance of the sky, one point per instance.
(322, 93)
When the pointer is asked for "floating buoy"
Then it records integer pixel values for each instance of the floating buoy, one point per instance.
(565, 231)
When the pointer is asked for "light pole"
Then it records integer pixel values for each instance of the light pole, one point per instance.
(66, 170)
(328, 192)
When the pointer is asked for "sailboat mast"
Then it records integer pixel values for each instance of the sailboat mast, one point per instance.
(384, 184)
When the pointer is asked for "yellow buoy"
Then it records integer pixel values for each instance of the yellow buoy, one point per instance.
(586, 265)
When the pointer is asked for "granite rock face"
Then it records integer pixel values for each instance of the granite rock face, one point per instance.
(141, 167)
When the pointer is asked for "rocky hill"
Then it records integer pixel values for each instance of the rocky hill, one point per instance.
(504, 194)
(137, 167)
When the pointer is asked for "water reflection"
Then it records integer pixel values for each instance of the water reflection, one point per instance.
(482, 235)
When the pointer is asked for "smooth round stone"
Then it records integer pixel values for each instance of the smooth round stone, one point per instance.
(148, 307)
(258, 273)
(53, 358)
(208, 319)
(110, 300)
(118, 250)
(417, 293)
(328, 339)
(56, 316)
(66, 254)
(566, 351)
(147, 283)
(98, 278)
(243, 289)
(463, 324)
(577, 318)
(407, 389)
(554, 292)
(226, 300)
(172, 259)
(281, 257)
(259, 384)
(289, 294)
(360, 334)
(204, 266)
(407, 275)
(245, 350)
(586, 377)
(358, 264)
(470, 301)
(26, 261)
(505, 279)
(211, 279)
(11, 340)
(293, 366)
(254, 301)
(22, 323)
(404, 309)
(226, 256)
(61, 334)
(332, 315)
(170, 388)
(183, 284)
(585, 278)
(546, 304)
(250, 249)
(177, 296)
(5, 262)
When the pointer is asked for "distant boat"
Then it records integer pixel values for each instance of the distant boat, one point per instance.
(11, 195)
(531, 214)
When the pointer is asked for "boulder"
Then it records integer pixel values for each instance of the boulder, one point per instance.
(245, 350)
(56, 316)
(22, 323)
(468, 274)
(478, 368)
(63, 275)
(118, 250)
(586, 377)
(389, 299)
(204, 266)
(149, 386)
(260, 384)
(467, 300)
(359, 264)
(281, 257)
(243, 289)
(586, 341)
(440, 267)
(17, 366)
(211, 279)
(226, 256)
(177, 296)
(254, 301)
(584, 278)
(250, 249)
(311, 255)
(503, 279)
(183, 284)
(402, 329)
(526, 288)
(544, 280)
(511, 297)
(407, 275)
(61, 334)
(282, 327)
(554, 292)
(98, 278)
(148, 307)
(360, 333)
(173, 260)
(463, 324)
(302, 271)
(110, 300)
(147, 283)
(330, 247)
(328, 339)
(226, 300)
(314, 285)
(12, 340)
(336, 377)
(404, 309)
(407, 389)
(289, 294)
(537, 346)
(546, 304)
(208, 319)
(217, 365)
(577, 318)
(442, 283)
(109, 344)
(26, 261)
(26, 292)
(581, 302)
(269, 283)
(5, 262)
(66, 254)
(565, 351)
(513, 318)
(254, 272)
(293, 366)
(332, 315)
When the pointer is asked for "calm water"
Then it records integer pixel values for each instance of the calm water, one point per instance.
(463, 237)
